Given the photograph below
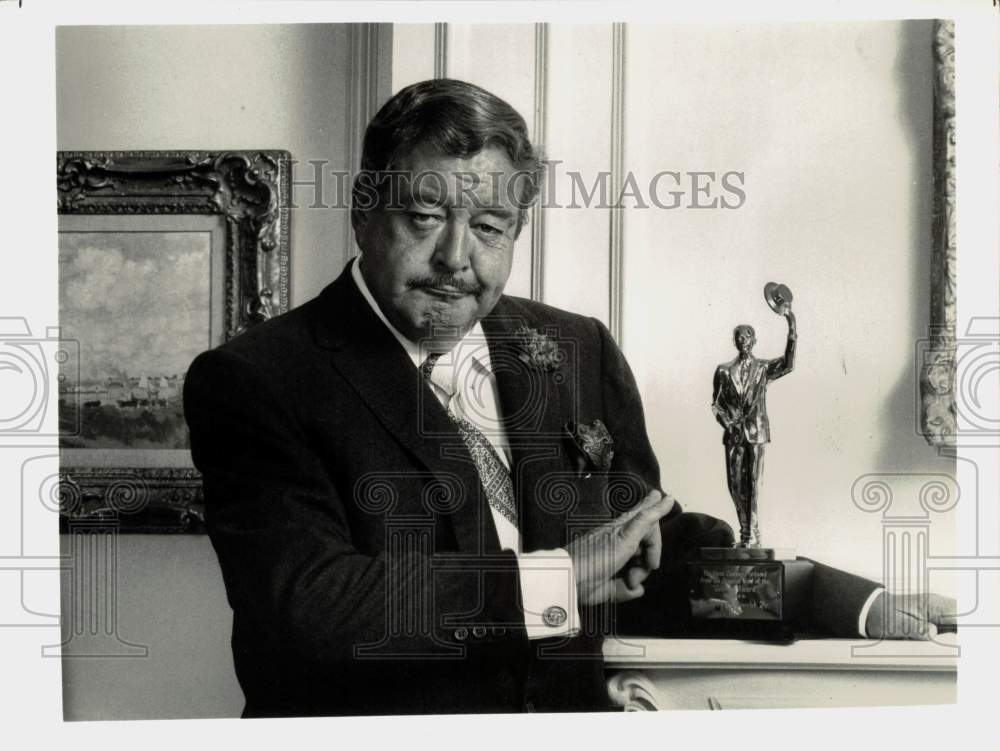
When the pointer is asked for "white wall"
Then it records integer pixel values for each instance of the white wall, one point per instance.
(831, 126)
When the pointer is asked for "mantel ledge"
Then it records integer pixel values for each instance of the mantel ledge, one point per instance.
(638, 653)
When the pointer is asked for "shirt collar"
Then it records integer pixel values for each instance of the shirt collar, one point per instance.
(473, 343)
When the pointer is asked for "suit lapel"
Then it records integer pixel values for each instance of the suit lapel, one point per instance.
(528, 396)
(530, 404)
(367, 355)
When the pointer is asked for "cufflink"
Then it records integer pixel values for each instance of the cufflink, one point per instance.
(554, 616)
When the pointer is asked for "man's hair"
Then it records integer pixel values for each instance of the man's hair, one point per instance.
(449, 117)
(744, 327)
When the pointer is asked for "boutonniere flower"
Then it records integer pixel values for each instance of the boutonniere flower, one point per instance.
(595, 448)
(538, 350)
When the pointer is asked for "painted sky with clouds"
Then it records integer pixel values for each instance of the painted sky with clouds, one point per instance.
(136, 302)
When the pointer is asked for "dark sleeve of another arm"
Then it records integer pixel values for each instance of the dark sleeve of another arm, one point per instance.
(838, 599)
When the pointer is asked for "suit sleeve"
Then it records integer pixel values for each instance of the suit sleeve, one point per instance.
(838, 600)
(624, 417)
(718, 409)
(283, 540)
(782, 366)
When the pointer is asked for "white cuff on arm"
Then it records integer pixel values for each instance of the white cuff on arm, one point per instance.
(548, 591)
(863, 617)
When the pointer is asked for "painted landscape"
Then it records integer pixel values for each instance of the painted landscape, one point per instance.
(138, 305)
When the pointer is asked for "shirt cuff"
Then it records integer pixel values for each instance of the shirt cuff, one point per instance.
(548, 593)
(863, 617)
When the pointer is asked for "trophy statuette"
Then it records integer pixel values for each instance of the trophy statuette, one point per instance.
(749, 590)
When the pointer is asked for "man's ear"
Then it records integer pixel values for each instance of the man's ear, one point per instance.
(359, 223)
(358, 220)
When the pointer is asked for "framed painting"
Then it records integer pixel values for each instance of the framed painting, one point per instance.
(161, 255)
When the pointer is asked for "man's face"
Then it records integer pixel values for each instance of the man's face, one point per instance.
(744, 339)
(440, 254)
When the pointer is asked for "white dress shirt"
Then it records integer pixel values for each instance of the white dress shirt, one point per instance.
(463, 381)
(863, 616)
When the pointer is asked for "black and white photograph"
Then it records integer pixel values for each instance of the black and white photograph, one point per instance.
(433, 362)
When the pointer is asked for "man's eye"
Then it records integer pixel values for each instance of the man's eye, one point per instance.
(489, 229)
(423, 220)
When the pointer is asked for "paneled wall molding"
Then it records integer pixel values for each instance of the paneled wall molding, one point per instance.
(540, 140)
(616, 235)
(440, 50)
(369, 78)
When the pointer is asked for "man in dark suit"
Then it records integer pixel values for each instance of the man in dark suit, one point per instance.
(426, 496)
(739, 401)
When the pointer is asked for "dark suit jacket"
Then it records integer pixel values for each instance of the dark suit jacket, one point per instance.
(359, 556)
(746, 403)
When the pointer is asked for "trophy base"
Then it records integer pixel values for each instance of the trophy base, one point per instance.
(755, 593)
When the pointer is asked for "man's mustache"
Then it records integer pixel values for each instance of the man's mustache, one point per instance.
(444, 281)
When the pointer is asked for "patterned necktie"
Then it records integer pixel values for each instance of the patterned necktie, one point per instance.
(493, 474)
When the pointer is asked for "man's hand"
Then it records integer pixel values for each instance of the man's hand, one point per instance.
(612, 561)
(910, 616)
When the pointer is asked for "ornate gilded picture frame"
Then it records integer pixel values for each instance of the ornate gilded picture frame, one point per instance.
(161, 255)
(938, 408)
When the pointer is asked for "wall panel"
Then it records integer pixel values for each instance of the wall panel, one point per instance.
(579, 138)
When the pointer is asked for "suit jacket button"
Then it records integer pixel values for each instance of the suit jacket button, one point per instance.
(461, 634)
(499, 631)
(479, 631)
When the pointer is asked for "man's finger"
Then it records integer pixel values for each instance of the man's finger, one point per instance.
(651, 547)
(635, 576)
(623, 593)
(651, 499)
(942, 611)
(638, 527)
(900, 624)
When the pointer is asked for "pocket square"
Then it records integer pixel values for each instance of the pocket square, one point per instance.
(594, 447)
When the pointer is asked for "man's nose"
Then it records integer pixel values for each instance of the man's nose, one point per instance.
(451, 252)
